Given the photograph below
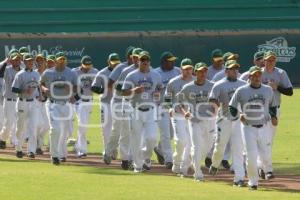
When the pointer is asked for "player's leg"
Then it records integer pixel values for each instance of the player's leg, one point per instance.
(22, 116)
(9, 109)
(150, 136)
(237, 149)
(224, 128)
(32, 127)
(250, 136)
(44, 127)
(136, 140)
(106, 123)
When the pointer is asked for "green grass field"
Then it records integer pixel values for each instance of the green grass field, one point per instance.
(34, 180)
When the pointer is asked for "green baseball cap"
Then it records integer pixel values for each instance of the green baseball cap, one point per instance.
(86, 61)
(199, 66)
(129, 51)
(60, 55)
(230, 56)
(167, 56)
(254, 69)
(144, 54)
(114, 58)
(186, 63)
(23, 50)
(51, 57)
(259, 55)
(27, 56)
(231, 64)
(269, 54)
(136, 52)
(14, 56)
(39, 56)
(217, 54)
(13, 51)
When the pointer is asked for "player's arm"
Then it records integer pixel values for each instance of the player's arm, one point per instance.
(273, 110)
(97, 85)
(233, 107)
(3, 65)
(128, 88)
(16, 85)
(181, 99)
(286, 87)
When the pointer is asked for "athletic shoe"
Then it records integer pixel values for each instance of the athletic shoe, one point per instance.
(225, 164)
(176, 169)
(2, 144)
(31, 155)
(55, 161)
(19, 154)
(269, 176)
(252, 187)
(138, 170)
(213, 170)
(125, 164)
(39, 151)
(169, 165)
(261, 174)
(130, 165)
(160, 158)
(107, 159)
(81, 155)
(239, 183)
(208, 162)
(114, 155)
(147, 164)
(63, 159)
(199, 179)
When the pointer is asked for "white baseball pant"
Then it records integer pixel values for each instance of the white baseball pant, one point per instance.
(43, 123)
(164, 125)
(27, 118)
(144, 136)
(202, 134)
(230, 131)
(60, 115)
(83, 111)
(106, 122)
(254, 140)
(182, 140)
(9, 124)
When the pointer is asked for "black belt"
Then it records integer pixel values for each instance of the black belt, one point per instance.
(27, 100)
(58, 101)
(144, 109)
(86, 100)
(257, 126)
(9, 99)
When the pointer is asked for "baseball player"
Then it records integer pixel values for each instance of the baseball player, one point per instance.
(182, 138)
(43, 125)
(228, 131)
(120, 125)
(226, 57)
(3, 65)
(26, 85)
(121, 109)
(257, 104)
(195, 94)
(167, 71)
(217, 63)
(86, 74)
(50, 61)
(279, 81)
(60, 85)
(143, 85)
(10, 99)
(100, 86)
(258, 60)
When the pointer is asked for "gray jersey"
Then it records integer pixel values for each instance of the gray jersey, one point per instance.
(196, 97)
(60, 82)
(101, 81)
(174, 86)
(151, 82)
(254, 102)
(9, 76)
(280, 77)
(115, 74)
(245, 76)
(27, 80)
(166, 76)
(212, 72)
(84, 81)
(220, 75)
(119, 83)
(222, 92)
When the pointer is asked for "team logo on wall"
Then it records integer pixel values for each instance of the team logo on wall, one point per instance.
(280, 46)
